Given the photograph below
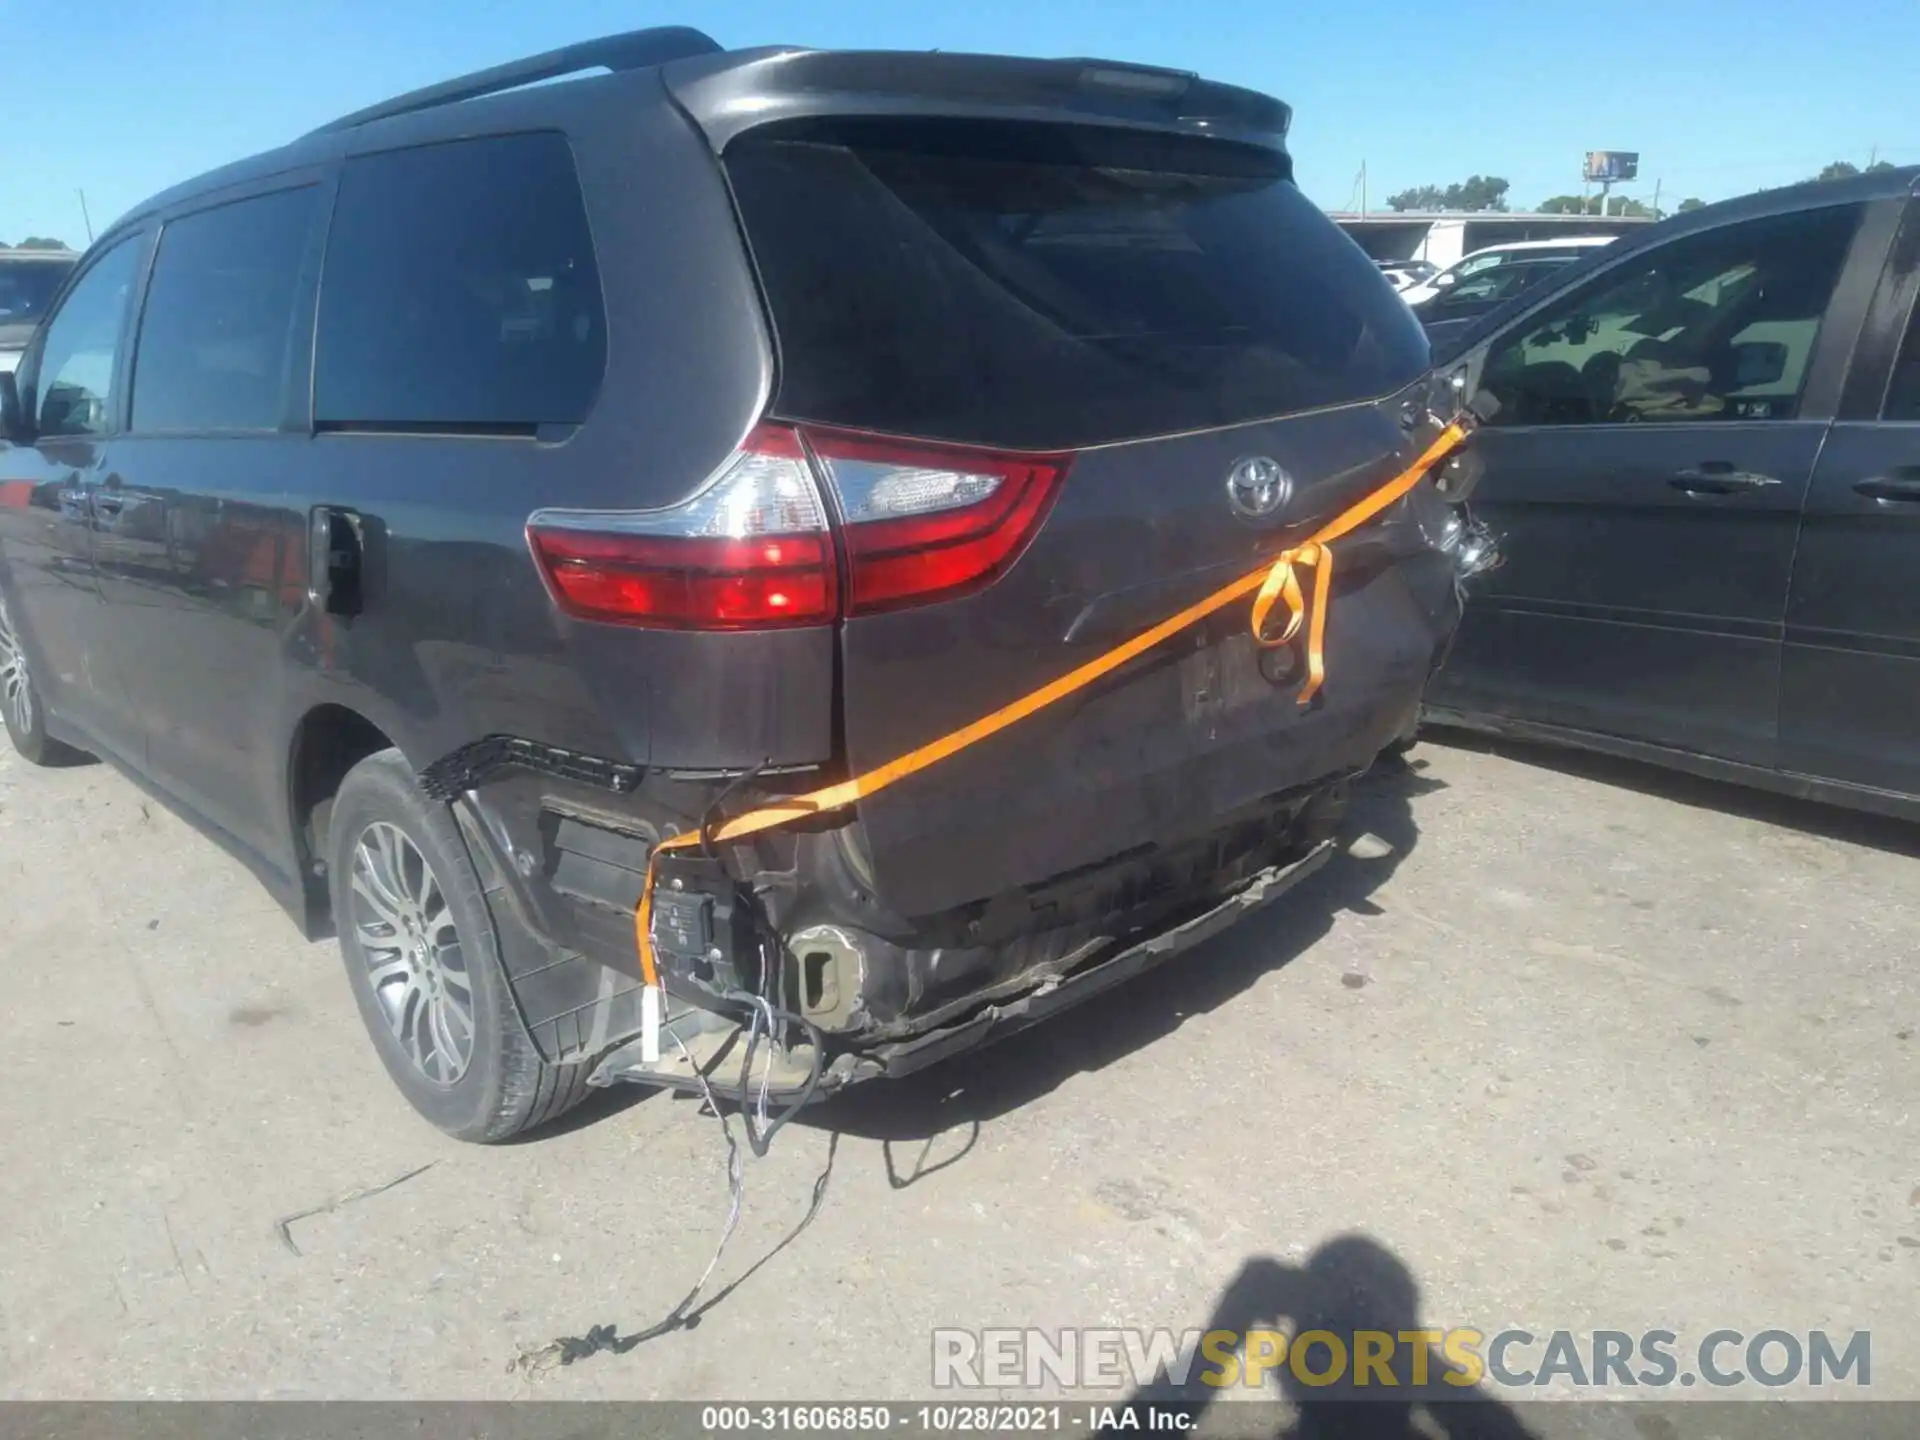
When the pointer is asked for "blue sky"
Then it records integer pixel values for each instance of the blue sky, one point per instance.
(1718, 96)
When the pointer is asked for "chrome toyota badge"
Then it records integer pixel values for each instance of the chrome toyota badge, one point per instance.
(1258, 487)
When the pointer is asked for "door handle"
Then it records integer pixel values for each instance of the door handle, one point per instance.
(112, 496)
(1719, 477)
(108, 499)
(1898, 486)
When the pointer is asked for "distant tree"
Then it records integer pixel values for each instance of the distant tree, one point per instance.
(42, 242)
(1476, 192)
(1421, 197)
(1590, 205)
(1846, 170)
(1692, 202)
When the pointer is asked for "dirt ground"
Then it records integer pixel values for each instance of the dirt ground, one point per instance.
(1593, 1047)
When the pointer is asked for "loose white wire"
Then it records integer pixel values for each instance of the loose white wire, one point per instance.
(562, 1352)
(763, 1007)
(736, 1175)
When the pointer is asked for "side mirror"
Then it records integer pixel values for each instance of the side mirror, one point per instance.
(1759, 362)
(13, 421)
(1446, 280)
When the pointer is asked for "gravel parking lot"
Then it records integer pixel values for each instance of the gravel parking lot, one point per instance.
(1592, 1047)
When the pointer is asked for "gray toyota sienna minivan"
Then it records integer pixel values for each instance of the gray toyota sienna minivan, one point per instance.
(445, 509)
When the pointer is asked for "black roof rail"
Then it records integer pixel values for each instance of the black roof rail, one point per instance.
(634, 50)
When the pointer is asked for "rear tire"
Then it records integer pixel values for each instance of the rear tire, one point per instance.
(423, 959)
(21, 709)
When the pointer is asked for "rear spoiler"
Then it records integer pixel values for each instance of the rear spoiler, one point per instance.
(731, 93)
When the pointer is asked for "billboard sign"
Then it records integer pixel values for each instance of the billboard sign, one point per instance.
(1612, 166)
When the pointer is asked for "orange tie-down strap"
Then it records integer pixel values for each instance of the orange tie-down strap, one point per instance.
(1274, 584)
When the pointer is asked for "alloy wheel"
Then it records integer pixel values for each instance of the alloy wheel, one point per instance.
(412, 950)
(16, 686)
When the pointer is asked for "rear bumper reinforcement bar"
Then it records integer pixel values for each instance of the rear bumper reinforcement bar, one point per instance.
(717, 1045)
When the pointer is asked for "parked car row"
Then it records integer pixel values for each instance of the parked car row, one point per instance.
(1451, 301)
(1563, 249)
(1403, 275)
(29, 279)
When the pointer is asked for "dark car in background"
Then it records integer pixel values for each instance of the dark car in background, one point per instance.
(419, 509)
(29, 279)
(1701, 451)
(1451, 312)
(1404, 273)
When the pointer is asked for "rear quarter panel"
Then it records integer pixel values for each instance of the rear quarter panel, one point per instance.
(458, 638)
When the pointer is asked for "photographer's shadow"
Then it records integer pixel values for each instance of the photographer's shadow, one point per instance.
(1348, 1287)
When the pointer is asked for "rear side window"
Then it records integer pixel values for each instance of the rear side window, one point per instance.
(460, 291)
(1043, 287)
(1903, 394)
(216, 334)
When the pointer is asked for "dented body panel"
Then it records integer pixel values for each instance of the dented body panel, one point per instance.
(1112, 830)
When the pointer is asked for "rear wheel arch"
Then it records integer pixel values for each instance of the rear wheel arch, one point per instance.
(327, 742)
(422, 953)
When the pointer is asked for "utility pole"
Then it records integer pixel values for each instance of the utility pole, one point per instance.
(1656, 199)
(1363, 187)
(84, 216)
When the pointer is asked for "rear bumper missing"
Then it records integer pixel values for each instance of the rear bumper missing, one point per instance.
(997, 1021)
(718, 1047)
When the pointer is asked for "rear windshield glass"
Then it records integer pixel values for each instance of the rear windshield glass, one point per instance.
(1046, 287)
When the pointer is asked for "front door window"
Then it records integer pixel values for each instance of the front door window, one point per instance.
(79, 358)
(1718, 325)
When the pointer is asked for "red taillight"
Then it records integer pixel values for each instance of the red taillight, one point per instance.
(753, 548)
(750, 551)
(691, 584)
(930, 522)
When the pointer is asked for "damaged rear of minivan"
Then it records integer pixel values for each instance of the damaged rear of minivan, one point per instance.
(743, 569)
(1061, 349)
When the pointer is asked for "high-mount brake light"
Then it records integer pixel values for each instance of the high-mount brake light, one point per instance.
(753, 549)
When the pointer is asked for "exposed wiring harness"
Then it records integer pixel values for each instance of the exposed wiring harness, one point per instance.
(571, 1348)
(764, 1021)
(763, 1008)
(761, 1140)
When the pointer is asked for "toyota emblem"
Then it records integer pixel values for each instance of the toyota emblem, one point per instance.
(1258, 487)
